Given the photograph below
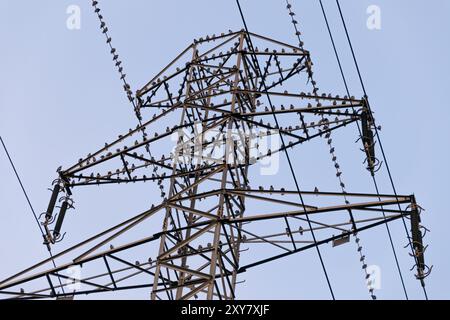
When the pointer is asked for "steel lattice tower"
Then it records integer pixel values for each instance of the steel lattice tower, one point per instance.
(218, 97)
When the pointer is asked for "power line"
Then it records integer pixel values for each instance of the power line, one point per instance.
(360, 133)
(332, 149)
(115, 55)
(376, 131)
(120, 69)
(30, 205)
(286, 152)
(22, 187)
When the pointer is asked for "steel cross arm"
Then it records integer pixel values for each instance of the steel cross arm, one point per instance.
(353, 102)
(322, 226)
(148, 161)
(84, 292)
(139, 128)
(296, 204)
(309, 137)
(225, 221)
(87, 281)
(238, 33)
(256, 123)
(201, 56)
(38, 295)
(102, 180)
(222, 36)
(126, 152)
(114, 282)
(355, 206)
(322, 193)
(32, 295)
(318, 243)
(277, 53)
(73, 169)
(314, 110)
(54, 272)
(64, 252)
(294, 48)
(288, 133)
(101, 255)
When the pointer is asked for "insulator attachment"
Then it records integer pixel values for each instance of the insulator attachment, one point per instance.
(52, 203)
(368, 139)
(59, 221)
(417, 242)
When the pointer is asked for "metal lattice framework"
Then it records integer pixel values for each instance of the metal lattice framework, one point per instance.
(214, 99)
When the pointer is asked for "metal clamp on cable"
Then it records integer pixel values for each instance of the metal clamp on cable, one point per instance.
(60, 185)
(367, 137)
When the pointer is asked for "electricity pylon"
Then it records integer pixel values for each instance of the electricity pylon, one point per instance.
(227, 109)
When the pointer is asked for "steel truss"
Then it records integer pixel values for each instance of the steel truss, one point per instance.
(210, 209)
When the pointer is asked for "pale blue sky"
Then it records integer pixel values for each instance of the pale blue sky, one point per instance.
(60, 98)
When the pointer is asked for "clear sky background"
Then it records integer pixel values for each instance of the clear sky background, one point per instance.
(61, 98)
